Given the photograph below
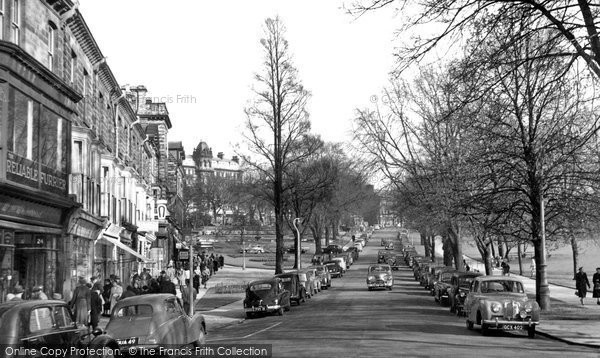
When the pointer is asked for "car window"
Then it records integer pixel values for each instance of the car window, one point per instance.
(40, 319)
(475, 287)
(465, 282)
(501, 286)
(62, 317)
(134, 311)
(172, 307)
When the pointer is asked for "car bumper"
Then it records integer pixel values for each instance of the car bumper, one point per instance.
(259, 309)
(379, 284)
(508, 325)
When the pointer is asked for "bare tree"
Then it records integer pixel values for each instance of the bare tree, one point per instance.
(277, 121)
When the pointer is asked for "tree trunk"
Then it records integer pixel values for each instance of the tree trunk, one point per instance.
(493, 250)
(431, 239)
(575, 250)
(520, 258)
(425, 243)
(501, 252)
(448, 251)
(454, 235)
(488, 258)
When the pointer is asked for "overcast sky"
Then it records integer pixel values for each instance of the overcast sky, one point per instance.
(200, 57)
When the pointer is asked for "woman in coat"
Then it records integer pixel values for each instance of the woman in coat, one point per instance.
(97, 303)
(80, 302)
(582, 284)
(115, 293)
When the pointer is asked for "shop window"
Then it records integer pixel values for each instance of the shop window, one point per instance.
(53, 141)
(16, 22)
(22, 125)
(40, 319)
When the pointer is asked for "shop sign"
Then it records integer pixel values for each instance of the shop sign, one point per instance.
(21, 209)
(184, 255)
(24, 171)
(147, 226)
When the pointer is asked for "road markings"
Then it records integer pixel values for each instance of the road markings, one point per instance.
(262, 330)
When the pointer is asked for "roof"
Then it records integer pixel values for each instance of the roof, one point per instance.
(146, 299)
(467, 274)
(176, 145)
(267, 280)
(31, 303)
(499, 278)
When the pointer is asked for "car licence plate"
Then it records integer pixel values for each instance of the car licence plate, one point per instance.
(258, 309)
(513, 327)
(127, 341)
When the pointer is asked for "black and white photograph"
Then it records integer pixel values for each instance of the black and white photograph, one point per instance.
(287, 178)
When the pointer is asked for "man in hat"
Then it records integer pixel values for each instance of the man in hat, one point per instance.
(596, 283)
(38, 293)
(582, 284)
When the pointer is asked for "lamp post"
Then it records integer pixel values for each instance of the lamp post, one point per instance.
(298, 249)
(243, 249)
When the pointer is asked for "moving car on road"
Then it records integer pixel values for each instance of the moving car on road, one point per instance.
(154, 320)
(266, 296)
(39, 324)
(500, 303)
(380, 276)
(460, 285)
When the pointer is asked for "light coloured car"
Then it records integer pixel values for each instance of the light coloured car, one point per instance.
(154, 320)
(359, 246)
(342, 262)
(256, 249)
(500, 303)
(380, 276)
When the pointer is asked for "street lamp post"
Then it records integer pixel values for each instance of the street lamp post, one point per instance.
(243, 250)
(298, 249)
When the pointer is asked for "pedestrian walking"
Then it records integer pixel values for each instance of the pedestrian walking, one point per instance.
(215, 265)
(97, 303)
(80, 302)
(115, 292)
(582, 284)
(505, 268)
(221, 261)
(205, 276)
(532, 267)
(38, 293)
(106, 297)
(185, 293)
(17, 295)
(596, 282)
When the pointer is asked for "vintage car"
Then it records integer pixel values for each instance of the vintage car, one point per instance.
(500, 303)
(395, 261)
(318, 259)
(389, 246)
(343, 263)
(353, 250)
(335, 268)
(380, 276)
(291, 283)
(323, 275)
(383, 256)
(359, 246)
(442, 286)
(266, 296)
(434, 275)
(460, 284)
(154, 320)
(308, 282)
(384, 242)
(36, 324)
(311, 275)
(333, 249)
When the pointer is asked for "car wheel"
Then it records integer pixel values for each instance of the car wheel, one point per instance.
(370, 288)
(249, 315)
(389, 288)
(469, 324)
(531, 332)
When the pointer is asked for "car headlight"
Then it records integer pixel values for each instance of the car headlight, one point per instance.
(276, 301)
(528, 307)
(462, 294)
(371, 278)
(496, 307)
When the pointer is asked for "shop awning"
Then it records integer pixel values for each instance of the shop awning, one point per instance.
(124, 247)
(150, 237)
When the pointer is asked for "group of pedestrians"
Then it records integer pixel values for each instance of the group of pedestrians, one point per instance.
(582, 284)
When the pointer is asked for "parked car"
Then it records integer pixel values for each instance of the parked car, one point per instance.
(154, 320)
(343, 264)
(333, 249)
(318, 259)
(38, 324)
(256, 249)
(434, 274)
(324, 275)
(291, 282)
(500, 303)
(335, 268)
(380, 276)
(311, 275)
(396, 261)
(353, 251)
(307, 282)
(303, 249)
(442, 286)
(460, 284)
(359, 246)
(389, 246)
(266, 296)
(382, 256)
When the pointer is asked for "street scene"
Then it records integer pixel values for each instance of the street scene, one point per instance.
(350, 178)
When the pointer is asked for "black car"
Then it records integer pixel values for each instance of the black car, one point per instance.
(334, 268)
(291, 282)
(460, 285)
(266, 296)
(37, 324)
(333, 249)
